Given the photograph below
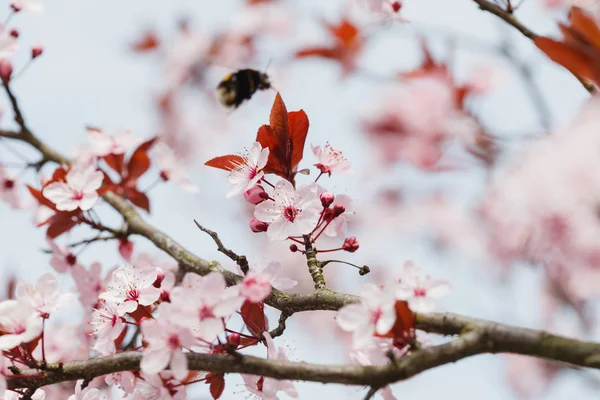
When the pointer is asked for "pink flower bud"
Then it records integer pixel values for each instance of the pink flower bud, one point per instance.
(6, 70)
(125, 248)
(234, 340)
(328, 214)
(293, 248)
(36, 51)
(164, 176)
(396, 6)
(14, 33)
(258, 226)
(16, 7)
(338, 210)
(350, 244)
(255, 195)
(326, 199)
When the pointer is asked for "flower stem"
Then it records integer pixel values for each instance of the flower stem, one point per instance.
(314, 266)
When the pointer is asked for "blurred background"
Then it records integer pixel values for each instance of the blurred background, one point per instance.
(153, 66)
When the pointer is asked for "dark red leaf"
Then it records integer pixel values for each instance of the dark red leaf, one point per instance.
(139, 161)
(585, 25)
(37, 194)
(254, 317)
(217, 384)
(577, 62)
(115, 161)
(59, 224)
(227, 162)
(59, 175)
(138, 198)
(298, 123)
(278, 119)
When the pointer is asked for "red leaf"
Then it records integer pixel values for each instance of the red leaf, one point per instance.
(298, 123)
(59, 224)
(149, 41)
(285, 138)
(576, 61)
(37, 194)
(59, 175)
(217, 384)
(585, 26)
(404, 327)
(227, 162)
(138, 198)
(139, 161)
(254, 317)
(115, 161)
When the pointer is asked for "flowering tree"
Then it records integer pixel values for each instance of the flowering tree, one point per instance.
(167, 328)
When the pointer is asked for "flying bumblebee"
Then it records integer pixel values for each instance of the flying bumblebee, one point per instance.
(239, 86)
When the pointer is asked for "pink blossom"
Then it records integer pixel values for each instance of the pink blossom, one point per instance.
(18, 323)
(247, 174)
(166, 341)
(267, 388)
(107, 326)
(129, 287)
(39, 394)
(33, 6)
(9, 190)
(330, 160)
(152, 387)
(291, 212)
(45, 296)
(62, 259)
(205, 302)
(420, 290)
(374, 314)
(90, 283)
(103, 144)
(80, 190)
(171, 167)
(89, 393)
(123, 380)
(256, 285)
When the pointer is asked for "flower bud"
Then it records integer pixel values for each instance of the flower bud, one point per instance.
(164, 175)
(16, 7)
(350, 244)
(326, 199)
(6, 70)
(338, 210)
(234, 340)
(36, 51)
(258, 226)
(255, 195)
(328, 214)
(293, 248)
(396, 6)
(14, 33)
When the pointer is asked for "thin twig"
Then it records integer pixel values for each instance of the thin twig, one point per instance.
(371, 393)
(281, 327)
(16, 109)
(241, 261)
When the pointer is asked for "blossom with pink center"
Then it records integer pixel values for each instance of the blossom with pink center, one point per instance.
(62, 259)
(206, 302)
(267, 388)
(166, 341)
(9, 190)
(18, 324)
(79, 191)
(330, 160)
(152, 387)
(103, 144)
(291, 212)
(107, 325)
(420, 290)
(89, 393)
(123, 380)
(171, 167)
(44, 296)
(247, 174)
(129, 287)
(256, 285)
(375, 314)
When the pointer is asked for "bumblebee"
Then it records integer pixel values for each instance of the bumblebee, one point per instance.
(241, 85)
